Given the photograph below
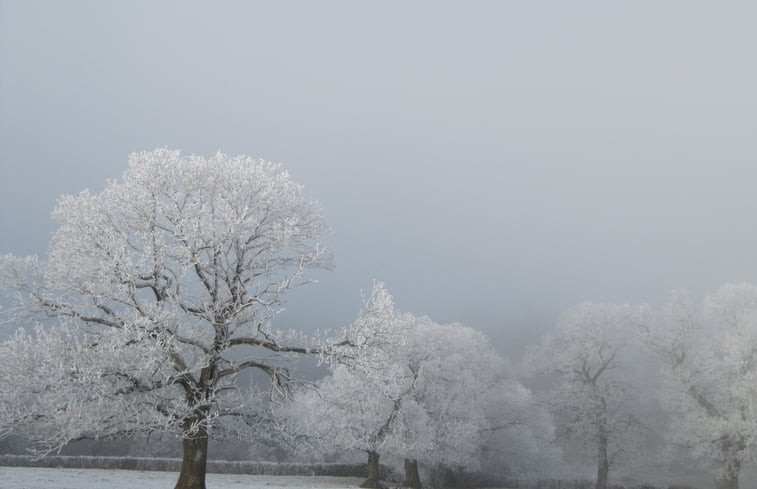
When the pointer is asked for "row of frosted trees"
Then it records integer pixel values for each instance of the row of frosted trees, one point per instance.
(159, 294)
(441, 395)
(696, 358)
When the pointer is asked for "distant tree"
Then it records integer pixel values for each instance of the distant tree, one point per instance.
(459, 373)
(518, 440)
(157, 293)
(709, 353)
(418, 391)
(587, 354)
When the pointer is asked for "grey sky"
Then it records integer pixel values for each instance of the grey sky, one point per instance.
(492, 162)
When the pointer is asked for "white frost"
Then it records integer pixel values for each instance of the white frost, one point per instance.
(45, 478)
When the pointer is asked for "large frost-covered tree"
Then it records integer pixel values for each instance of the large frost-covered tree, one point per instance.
(709, 353)
(156, 293)
(587, 354)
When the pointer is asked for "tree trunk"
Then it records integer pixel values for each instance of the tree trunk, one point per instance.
(374, 474)
(729, 477)
(412, 479)
(603, 463)
(603, 468)
(728, 482)
(194, 461)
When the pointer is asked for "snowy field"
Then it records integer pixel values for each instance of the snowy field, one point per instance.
(46, 478)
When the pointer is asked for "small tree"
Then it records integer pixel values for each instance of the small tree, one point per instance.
(161, 290)
(709, 353)
(586, 353)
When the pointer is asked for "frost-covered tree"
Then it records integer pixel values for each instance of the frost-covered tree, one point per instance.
(587, 353)
(365, 403)
(459, 374)
(418, 391)
(709, 353)
(156, 293)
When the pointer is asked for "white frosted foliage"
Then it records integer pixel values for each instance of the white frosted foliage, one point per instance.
(588, 354)
(411, 388)
(709, 352)
(155, 294)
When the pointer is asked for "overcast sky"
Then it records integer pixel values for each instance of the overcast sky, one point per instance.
(492, 162)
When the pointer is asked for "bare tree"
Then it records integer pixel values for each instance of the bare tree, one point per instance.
(157, 293)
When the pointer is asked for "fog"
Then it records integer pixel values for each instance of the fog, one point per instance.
(493, 163)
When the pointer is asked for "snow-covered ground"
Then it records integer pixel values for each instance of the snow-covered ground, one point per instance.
(45, 478)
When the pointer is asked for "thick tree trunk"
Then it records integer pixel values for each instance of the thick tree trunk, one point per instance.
(374, 474)
(603, 469)
(603, 463)
(194, 462)
(729, 477)
(412, 479)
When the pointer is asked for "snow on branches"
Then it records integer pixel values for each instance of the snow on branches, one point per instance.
(709, 353)
(588, 355)
(413, 389)
(157, 292)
